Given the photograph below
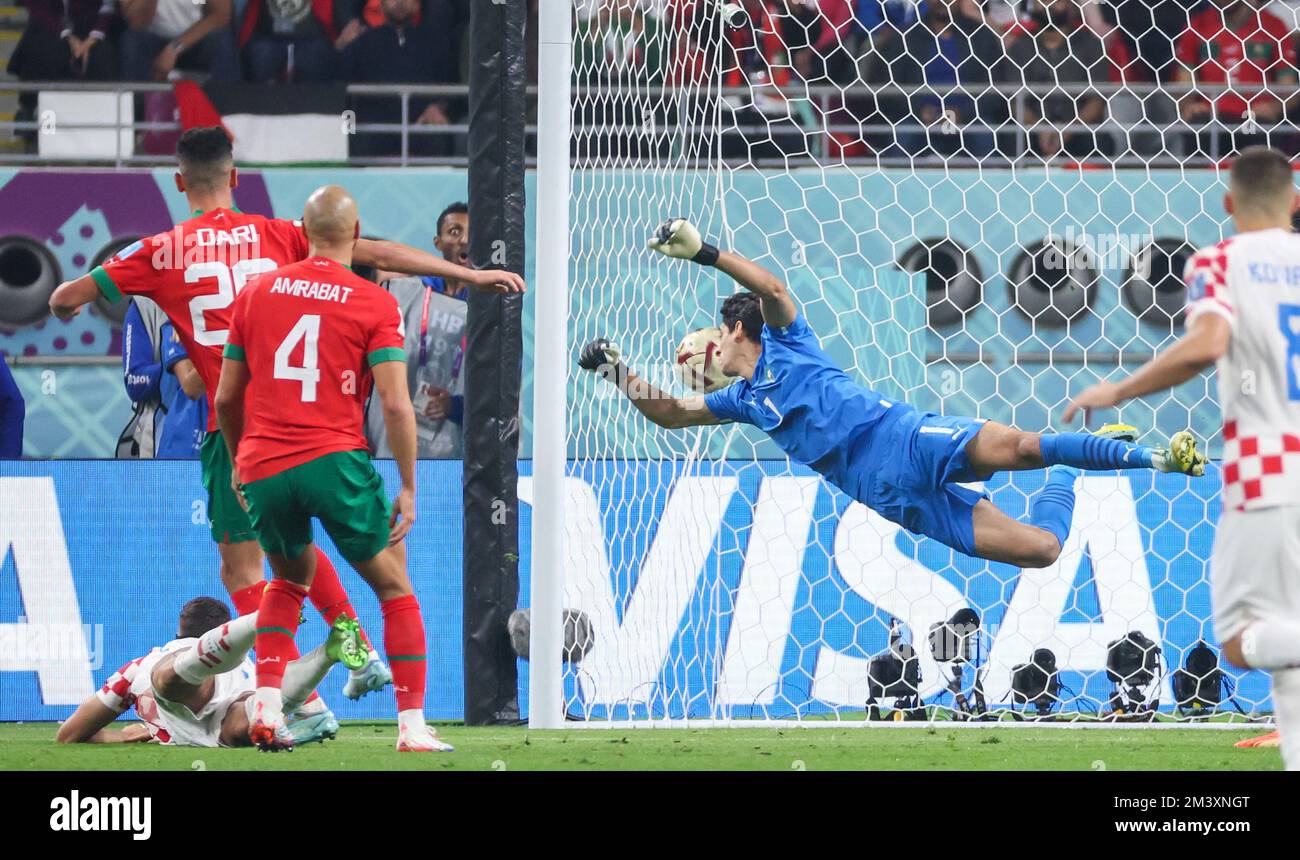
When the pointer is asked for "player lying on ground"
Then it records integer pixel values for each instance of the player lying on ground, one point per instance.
(196, 690)
(194, 272)
(306, 342)
(1243, 312)
(904, 464)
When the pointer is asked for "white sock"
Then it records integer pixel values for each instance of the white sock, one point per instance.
(1286, 712)
(1271, 643)
(303, 676)
(412, 720)
(217, 651)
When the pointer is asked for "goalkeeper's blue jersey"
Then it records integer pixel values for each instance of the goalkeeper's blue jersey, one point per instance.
(906, 465)
(810, 407)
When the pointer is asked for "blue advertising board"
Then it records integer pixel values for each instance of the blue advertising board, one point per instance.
(714, 588)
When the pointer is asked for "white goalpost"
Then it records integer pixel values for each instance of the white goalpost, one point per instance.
(976, 243)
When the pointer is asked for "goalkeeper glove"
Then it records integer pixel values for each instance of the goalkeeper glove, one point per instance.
(601, 356)
(678, 238)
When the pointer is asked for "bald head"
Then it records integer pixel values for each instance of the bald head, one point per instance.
(330, 216)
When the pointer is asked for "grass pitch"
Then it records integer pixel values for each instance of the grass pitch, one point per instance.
(369, 746)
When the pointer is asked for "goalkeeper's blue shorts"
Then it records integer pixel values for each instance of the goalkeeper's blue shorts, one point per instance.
(911, 475)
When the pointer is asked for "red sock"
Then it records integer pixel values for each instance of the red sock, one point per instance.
(328, 595)
(247, 600)
(404, 642)
(277, 623)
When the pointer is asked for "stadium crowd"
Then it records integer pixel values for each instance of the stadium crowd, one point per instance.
(905, 77)
(945, 77)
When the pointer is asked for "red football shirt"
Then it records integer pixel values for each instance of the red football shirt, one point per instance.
(309, 333)
(195, 270)
(1252, 55)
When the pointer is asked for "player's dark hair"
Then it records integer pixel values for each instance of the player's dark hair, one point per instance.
(457, 208)
(200, 615)
(205, 156)
(1261, 177)
(743, 308)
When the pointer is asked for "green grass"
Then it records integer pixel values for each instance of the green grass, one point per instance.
(369, 746)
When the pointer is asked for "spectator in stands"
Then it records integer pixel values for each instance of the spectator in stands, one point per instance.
(816, 33)
(12, 414)
(401, 51)
(166, 35)
(615, 40)
(1059, 49)
(1139, 37)
(955, 58)
(293, 39)
(434, 312)
(1238, 43)
(1288, 12)
(64, 39)
(1150, 30)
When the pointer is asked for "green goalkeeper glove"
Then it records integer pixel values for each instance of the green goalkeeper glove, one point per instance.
(601, 356)
(678, 238)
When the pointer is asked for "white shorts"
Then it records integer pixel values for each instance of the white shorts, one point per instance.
(185, 728)
(1255, 572)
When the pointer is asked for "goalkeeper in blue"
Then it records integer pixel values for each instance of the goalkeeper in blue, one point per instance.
(908, 466)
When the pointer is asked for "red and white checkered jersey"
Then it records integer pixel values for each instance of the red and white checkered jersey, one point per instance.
(1253, 281)
(132, 687)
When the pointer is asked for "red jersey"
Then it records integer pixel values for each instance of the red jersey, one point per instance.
(317, 330)
(195, 270)
(1254, 54)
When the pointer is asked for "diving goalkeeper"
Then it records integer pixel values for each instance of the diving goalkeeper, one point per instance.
(907, 465)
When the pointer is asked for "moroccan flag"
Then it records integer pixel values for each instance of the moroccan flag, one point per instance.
(272, 124)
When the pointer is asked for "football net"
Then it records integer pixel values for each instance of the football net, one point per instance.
(979, 225)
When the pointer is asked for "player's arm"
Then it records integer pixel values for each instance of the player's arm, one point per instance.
(70, 297)
(396, 257)
(1205, 342)
(188, 377)
(399, 424)
(679, 238)
(89, 725)
(602, 357)
(229, 400)
(177, 361)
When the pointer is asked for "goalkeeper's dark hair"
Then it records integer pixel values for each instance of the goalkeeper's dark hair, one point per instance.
(1261, 179)
(458, 208)
(205, 156)
(200, 615)
(743, 308)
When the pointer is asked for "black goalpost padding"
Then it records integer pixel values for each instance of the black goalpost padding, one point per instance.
(493, 360)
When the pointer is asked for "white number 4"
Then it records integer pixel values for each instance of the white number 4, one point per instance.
(306, 330)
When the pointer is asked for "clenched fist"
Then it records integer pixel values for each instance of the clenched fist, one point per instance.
(600, 356)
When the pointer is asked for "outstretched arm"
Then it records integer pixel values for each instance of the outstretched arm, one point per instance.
(679, 238)
(396, 257)
(602, 357)
(89, 725)
(1205, 343)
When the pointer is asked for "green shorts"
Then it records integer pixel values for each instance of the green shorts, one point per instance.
(342, 490)
(230, 523)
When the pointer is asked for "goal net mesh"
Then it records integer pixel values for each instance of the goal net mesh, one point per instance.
(980, 208)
